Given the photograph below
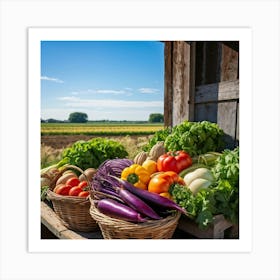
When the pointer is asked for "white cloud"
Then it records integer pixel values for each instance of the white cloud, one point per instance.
(109, 91)
(126, 91)
(148, 90)
(76, 102)
(69, 98)
(99, 91)
(52, 79)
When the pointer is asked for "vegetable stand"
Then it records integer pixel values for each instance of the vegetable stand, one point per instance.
(204, 192)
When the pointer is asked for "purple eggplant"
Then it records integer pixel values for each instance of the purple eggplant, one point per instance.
(137, 204)
(150, 197)
(118, 210)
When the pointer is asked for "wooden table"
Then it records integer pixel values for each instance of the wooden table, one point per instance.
(54, 224)
(186, 229)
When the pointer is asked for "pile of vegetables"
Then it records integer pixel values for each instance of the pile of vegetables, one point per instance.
(184, 169)
(119, 198)
(66, 180)
(211, 191)
(69, 184)
(92, 153)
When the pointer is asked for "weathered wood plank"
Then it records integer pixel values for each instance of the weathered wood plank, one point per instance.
(168, 89)
(229, 63)
(56, 226)
(237, 125)
(215, 231)
(219, 103)
(183, 81)
(181, 56)
(206, 112)
(217, 92)
(191, 107)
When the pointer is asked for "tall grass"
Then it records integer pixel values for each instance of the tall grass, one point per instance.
(49, 156)
(133, 145)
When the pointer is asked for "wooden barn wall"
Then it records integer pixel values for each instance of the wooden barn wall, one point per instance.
(202, 83)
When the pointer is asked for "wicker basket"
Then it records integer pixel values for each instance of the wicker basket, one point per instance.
(73, 210)
(112, 228)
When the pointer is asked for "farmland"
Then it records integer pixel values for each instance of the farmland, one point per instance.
(100, 128)
(57, 136)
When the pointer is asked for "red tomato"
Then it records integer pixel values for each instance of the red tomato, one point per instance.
(63, 190)
(174, 161)
(83, 194)
(57, 186)
(74, 191)
(73, 182)
(83, 184)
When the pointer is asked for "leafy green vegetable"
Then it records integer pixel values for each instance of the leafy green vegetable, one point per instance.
(193, 137)
(202, 207)
(227, 167)
(92, 153)
(222, 197)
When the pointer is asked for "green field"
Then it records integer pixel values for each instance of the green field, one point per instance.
(100, 128)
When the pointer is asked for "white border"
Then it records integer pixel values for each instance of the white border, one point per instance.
(244, 36)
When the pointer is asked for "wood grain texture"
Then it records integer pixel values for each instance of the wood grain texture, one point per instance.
(217, 92)
(183, 81)
(229, 64)
(215, 231)
(168, 84)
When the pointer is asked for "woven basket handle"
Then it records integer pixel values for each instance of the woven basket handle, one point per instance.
(66, 167)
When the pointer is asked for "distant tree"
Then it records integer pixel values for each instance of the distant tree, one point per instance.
(78, 117)
(155, 117)
(53, 121)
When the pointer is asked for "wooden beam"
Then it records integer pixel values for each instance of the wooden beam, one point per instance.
(168, 89)
(183, 81)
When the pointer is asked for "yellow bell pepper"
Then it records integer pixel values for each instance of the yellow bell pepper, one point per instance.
(137, 175)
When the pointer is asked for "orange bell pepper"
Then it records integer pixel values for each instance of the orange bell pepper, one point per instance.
(161, 182)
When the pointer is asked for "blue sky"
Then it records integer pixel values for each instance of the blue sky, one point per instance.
(112, 80)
